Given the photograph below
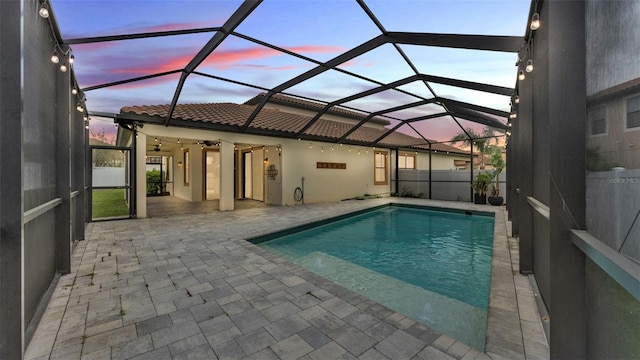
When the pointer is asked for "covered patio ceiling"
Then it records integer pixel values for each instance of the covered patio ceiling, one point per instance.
(432, 69)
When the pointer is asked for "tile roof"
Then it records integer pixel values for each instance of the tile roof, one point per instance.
(315, 106)
(232, 116)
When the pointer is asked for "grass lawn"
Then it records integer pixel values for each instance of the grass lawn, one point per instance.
(109, 203)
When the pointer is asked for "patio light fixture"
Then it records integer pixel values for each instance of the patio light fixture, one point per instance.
(535, 22)
(63, 67)
(54, 57)
(529, 67)
(44, 10)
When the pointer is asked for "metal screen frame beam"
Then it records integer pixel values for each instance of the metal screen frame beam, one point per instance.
(472, 42)
(373, 114)
(95, 39)
(234, 20)
(494, 89)
(351, 54)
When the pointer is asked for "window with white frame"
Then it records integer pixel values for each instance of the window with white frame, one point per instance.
(380, 168)
(598, 120)
(406, 161)
(633, 112)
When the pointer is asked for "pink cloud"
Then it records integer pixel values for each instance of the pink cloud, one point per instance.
(160, 61)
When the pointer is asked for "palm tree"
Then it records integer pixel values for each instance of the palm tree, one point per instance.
(481, 141)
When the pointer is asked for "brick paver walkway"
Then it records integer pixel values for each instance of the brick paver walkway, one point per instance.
(191, 287)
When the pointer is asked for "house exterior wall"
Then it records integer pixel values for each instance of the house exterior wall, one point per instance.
(619, 146)
(296, 160)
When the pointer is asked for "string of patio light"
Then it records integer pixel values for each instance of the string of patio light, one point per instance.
(66, 55)
(534, 25)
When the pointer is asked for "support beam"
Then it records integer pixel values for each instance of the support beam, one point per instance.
(471, 85)
(146, 35)
(473, 42)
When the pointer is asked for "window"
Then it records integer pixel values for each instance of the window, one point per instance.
(380, 168)
(185, 163)
(406, 161)
(598, 120)
(633, 112)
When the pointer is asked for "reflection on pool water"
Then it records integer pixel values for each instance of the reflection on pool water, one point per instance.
(431, 266)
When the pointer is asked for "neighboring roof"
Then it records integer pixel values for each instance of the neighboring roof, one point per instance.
(315, 106)
(624, 89)
(271, 122)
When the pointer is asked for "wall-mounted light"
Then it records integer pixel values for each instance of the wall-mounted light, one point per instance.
(535, 22)
(529, 67)
(266, 160)
(44, 10)
(180, 164)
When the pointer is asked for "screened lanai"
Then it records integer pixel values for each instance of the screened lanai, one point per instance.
(555, 81)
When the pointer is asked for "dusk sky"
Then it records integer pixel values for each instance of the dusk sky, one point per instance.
(319, 30)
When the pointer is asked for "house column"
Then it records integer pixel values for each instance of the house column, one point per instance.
(141, 177)
(226, 176)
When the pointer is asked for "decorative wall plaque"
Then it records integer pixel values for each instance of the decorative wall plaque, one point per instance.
(328, 165)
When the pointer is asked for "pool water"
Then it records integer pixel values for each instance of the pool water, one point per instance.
(432, 266)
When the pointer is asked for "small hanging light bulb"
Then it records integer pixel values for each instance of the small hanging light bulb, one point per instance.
(535, 22)
(332, 148)
(521, 75)
(79, 108)
(72, 59)
(63, 67)
(513, 115)
(54, 57)
(74, 91)
(516, 99)
(44, 10)
(156, 139)
(322, 149)
(529, 67)
(86, 125)
(509, 124)
(178, 141)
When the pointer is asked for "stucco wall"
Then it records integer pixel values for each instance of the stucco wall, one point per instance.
(295, 161)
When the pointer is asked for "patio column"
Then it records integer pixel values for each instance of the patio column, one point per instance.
(226, 176)
(141, 177)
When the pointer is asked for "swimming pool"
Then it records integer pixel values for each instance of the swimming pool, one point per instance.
(432, 266)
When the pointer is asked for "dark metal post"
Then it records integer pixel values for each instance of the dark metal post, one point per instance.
(63, 117)
(566, 123)
(430, 167)
(471, 168)
(397, 172)
(11, 207)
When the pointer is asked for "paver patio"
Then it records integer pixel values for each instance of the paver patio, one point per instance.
(190, 287)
